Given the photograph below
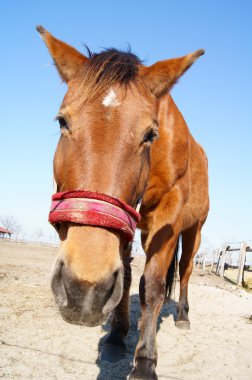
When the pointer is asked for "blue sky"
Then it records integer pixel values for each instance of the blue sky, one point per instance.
(214, 95)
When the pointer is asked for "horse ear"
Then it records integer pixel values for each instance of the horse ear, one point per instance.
(161, 76)
(67, 60)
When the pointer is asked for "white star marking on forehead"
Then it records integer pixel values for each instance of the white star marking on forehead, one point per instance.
(110, 99)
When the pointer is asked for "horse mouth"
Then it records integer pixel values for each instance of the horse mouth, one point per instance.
(75, 317)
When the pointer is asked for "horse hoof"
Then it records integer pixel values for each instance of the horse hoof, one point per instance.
(135, 375)
(183, 325)
(144, 370)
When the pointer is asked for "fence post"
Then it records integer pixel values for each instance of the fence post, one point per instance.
(219, 253)
(242, 258)
(223, 261)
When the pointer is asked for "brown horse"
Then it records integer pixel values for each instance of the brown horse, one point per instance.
(123, 136)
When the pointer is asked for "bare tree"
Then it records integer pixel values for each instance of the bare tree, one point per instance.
(10, 223)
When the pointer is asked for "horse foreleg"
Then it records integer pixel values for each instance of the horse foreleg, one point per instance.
(114, 348)
(152, 290)
(190, 245)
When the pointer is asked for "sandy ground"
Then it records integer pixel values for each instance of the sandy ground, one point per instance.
(231, 274)
(37, 344)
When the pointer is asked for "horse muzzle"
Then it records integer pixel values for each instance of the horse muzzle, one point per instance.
(80, 301)
(83, 303)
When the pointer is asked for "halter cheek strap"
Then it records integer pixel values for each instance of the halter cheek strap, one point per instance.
(94, 209)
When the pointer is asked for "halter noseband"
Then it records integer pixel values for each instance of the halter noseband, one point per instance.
(94, 209)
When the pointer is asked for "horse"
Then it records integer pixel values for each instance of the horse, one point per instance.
(123, 140)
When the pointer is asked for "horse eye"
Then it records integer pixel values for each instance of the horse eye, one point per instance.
(62, 122)
(150, 136)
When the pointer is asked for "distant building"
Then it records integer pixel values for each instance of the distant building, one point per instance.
(5, 233)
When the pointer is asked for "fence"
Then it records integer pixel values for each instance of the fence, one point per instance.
(28, 242)
(222, 259)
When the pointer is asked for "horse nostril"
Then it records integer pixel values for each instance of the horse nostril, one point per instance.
(116, 292)
(57, 285)
(57, 227)
(112, 283)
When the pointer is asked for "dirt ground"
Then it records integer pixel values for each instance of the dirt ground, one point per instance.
(231, 275)
(37, 344)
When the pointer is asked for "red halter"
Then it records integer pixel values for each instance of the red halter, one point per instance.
(94, 209)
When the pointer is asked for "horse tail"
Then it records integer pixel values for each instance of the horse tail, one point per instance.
(172, 272)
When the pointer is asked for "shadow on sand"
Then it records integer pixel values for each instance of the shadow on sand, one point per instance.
(121, 369)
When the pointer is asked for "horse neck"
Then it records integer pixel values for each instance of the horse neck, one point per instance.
(170, 153)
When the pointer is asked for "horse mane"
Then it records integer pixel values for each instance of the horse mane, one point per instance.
(108, 68)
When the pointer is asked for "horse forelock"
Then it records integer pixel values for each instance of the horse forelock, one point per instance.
(106, 69)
